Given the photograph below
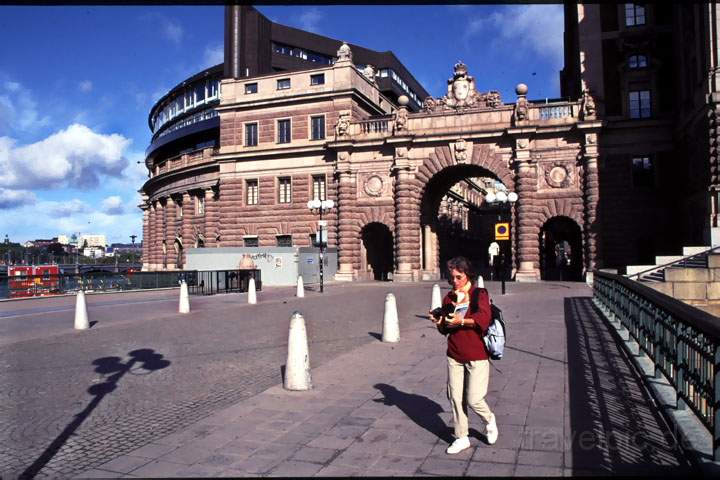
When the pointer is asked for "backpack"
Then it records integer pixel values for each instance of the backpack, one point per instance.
(494, 338)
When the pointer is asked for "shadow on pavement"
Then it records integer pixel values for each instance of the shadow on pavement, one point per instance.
(615, 427)
(142, 362)
(421, 410)
(375, 335)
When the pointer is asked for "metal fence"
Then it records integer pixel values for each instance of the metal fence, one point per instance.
(682, 341)
(199, 282)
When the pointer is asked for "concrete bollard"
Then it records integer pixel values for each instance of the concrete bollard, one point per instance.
(252, 297)
(480, 282)
(184, 298)
(391, 328)
(436, 297)
(300, 288)
(297, 366)
(81, 316)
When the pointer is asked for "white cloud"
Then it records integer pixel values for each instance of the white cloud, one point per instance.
(85, 86)
(113, 205)
(75, 157)
(68, 208)
(16, 198)
(310, 19)
(18, 110)
(531, 29)
(171, 30)
(214, 54)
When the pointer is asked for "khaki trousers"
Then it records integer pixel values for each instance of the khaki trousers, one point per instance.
(467, 386)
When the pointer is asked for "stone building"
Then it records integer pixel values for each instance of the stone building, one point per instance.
(240, 148)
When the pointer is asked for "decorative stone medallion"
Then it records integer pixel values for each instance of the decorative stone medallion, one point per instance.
(558, 175)
(373, 186)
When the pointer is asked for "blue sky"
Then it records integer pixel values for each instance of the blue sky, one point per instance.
(77, 83)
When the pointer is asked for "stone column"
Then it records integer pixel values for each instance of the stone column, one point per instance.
(171, 217)
(591, 194)
(146, 237)
(347, 241)
(162, 214)
(407, 226)
(156, 236)
(527, 231)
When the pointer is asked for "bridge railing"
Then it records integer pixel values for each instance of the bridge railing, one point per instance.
(683, 342)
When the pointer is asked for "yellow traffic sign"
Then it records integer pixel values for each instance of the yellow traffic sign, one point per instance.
(502, 231)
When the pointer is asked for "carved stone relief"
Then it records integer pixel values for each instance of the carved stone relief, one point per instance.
(461, 94)
(373, 185)
(556, 175)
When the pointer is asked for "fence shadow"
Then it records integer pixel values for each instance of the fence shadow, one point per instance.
(615, 427)
(141, 362)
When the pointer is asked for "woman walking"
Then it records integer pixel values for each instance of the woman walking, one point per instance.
(468, 365)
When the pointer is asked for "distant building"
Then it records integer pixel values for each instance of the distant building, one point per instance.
(63, 240)
(89, 240)
(120, 248)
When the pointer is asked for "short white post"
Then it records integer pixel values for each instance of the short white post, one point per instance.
(252, 297)
(184, 306)
(436, 297)
(480, 282)
(81, 316)
(391, 329)
(300, 288)
(297, 366)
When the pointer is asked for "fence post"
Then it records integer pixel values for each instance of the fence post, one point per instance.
(716, 405)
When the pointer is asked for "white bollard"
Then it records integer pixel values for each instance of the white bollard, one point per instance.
(300, 288)
(252, 297)
(436, 297)
(297, 366)
(81, 316)
(184, 298)
(391, 329)
(480, 282)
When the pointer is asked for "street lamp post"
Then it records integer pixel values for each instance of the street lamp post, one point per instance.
(505, 200)
(321, 206)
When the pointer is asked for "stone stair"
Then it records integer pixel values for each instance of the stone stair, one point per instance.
(693, 277)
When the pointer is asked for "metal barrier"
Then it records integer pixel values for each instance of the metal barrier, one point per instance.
(682, 341)
(211, 282)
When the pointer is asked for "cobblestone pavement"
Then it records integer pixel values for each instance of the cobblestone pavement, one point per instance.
(222, 352)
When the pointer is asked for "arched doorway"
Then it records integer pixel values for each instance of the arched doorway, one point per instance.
(377, 251)
(561, 256)
(178, 253)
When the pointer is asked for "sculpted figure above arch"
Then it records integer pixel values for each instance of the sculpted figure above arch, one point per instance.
(461, 94)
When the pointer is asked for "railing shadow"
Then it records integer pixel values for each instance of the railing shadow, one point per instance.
(421, 410)
(614, 426)
(142, 362)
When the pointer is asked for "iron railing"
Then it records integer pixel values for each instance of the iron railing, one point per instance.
(682, 341)
(211, 282)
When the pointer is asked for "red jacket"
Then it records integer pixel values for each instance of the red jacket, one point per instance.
(465, 343)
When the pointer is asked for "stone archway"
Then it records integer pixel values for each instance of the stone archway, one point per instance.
(561, 249)
(178, 246)
(377, 251)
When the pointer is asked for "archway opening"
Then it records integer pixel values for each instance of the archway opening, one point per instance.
(178, 254)
(377, 241)
(561, 256)
(456, 219)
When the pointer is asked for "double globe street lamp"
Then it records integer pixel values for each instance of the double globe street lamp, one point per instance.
(320, 206)
(504, 200)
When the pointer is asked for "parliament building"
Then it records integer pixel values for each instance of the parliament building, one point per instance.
(622, 168)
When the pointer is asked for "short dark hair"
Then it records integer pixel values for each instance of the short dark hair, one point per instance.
(463, 265)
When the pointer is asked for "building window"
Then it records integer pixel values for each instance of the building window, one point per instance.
(200, 204)
(634, 14)
(637, 61)
(318, 79)
(283, 84)
(251, 134)
(250, 88)
(643, 172)
(283, 131)
(252, 192)
(284, 190)
(318, 127)
(178, 208)
(250, 241)
(318, 183)
(640, 104)
(284, 240)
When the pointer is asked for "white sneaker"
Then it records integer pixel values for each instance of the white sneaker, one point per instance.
(491, 431)
(458, 446)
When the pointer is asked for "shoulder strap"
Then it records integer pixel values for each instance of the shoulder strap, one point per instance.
(475, 299)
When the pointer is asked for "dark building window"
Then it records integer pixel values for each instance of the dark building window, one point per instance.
(318, 187)
(284, 240)
(643, 172)
(283, 84)
(318, 127)
(200, 93)
(634, 14)
(252, 192)
(640, 106)
(250, 241)
(284, 190)
(251, 134)
(637, 61)
(318, 79)
(251, 88)
(283, 131)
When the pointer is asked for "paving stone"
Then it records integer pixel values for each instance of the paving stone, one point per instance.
(257, 464)
(315, 455)
(186, 455)
(158, 468)
(295, 468)
(494, 455)
(152, 450)
(352, 457)
(125, 464)
(482, 469)
(240, 447)
(542, 458)
(339, 471)
(444, 466)
(399, 463)
(98, 473)
(222, 460)
(331, 441)
(537, 471)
